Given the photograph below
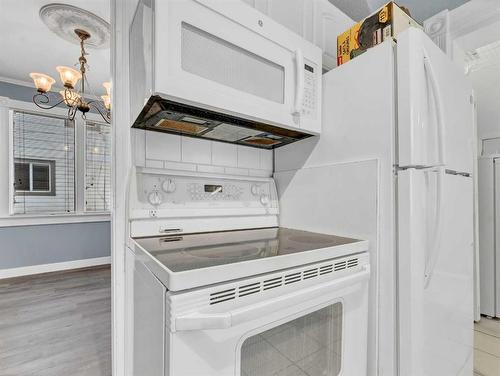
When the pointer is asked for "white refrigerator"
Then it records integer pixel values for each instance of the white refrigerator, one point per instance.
(399, 118)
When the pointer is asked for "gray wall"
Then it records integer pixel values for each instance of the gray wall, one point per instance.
(46, 244)
(17, 92)
(43, 244)
(25, 93)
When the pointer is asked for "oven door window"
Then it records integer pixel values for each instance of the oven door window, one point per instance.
(308, 346)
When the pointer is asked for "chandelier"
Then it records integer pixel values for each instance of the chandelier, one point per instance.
(74, 98)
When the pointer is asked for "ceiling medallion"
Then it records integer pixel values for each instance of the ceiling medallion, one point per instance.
(63, 20)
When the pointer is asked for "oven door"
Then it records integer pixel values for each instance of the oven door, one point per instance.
(310, 328)
(227, 56)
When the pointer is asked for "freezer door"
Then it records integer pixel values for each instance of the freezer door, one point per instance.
(435, 266)
(435, 113)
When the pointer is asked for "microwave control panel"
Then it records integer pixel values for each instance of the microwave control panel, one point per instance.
(310, 90)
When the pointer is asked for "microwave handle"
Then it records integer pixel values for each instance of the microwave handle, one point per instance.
(225, 320)
(299, 82)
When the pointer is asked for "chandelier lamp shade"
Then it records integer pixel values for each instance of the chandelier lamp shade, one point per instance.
(75, 84)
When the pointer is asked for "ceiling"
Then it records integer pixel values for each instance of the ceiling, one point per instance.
(420, 9)
(32, 47)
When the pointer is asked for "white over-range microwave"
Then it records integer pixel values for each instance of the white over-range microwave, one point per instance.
(221, 70)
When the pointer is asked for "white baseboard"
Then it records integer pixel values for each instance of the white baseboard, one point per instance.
(55, 267)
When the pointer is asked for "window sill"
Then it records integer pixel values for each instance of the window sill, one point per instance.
(52, 219)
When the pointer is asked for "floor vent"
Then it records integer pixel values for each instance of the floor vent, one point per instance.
(283, 280)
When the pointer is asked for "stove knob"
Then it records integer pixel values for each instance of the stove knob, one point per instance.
(155, 198)
(264, 200)
(255, 189)
(168, 186)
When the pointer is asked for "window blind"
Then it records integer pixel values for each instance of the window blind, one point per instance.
(97, 167)
(45, 142)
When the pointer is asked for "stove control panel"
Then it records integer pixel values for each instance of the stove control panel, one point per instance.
(214, 192)
(157, 191)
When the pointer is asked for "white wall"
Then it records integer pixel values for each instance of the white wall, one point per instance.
(486, 84)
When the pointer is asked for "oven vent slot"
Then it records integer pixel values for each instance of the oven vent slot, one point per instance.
(325, 269)
(340, 266)
(311, 273)
(352, 263)
(273, 283)
(249, 289)
(222, 296)
(282, 280)
(292, 278)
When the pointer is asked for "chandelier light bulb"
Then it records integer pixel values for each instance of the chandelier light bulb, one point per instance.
(71, 98)
(107, 86)
(43, 82)
(69, 76)
(107, 101)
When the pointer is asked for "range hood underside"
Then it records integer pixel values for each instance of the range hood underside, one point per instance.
(163, 115)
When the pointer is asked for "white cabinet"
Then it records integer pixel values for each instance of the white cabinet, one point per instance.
(328, 22)
(318, 21)
(292, 18)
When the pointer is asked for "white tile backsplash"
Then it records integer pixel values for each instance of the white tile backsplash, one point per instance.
(211, 169)
(163, 146)
(266, 160)
(259, 173)
(237, 171)
(163, 150)
(153, 163)
(248, 157)
(179, 166)
(139, 142)
(224, 154)
(195, 150)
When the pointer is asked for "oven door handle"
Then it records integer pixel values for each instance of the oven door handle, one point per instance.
(225, 320)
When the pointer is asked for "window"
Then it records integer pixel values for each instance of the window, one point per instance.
(44, 164)
(97, 167)
(59, 166)
(34, 177)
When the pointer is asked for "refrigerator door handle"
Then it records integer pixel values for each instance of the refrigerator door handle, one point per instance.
(435, 244)
(439, 107)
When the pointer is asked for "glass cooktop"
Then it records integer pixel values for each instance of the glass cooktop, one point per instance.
(181, 253)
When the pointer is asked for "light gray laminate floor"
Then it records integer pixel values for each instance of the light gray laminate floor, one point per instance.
(56, 324)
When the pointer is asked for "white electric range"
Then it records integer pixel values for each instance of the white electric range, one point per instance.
(220, 289)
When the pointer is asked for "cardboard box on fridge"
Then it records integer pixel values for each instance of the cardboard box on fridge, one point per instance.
(387, 22)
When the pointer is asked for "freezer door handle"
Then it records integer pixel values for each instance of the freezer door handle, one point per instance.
(299, 299)
(435, 243)
(439, 107)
